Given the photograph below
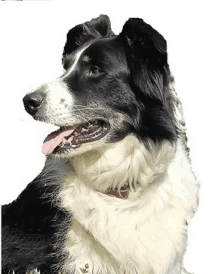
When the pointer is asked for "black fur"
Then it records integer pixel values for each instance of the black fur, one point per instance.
(80, 34)
(30, 224)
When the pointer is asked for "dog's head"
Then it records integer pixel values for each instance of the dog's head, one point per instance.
(113, 86)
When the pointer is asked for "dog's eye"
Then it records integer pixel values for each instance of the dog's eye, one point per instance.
(94, 71)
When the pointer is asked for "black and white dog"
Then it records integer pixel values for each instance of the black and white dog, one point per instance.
(117, 189)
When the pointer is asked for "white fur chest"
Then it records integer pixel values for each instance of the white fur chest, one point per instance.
(143, 234)
(136, 235)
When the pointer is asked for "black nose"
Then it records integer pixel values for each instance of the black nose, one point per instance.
(33, 101)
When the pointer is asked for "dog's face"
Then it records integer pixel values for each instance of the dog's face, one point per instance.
(112, 86)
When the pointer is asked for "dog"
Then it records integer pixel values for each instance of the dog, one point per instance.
(117, 190)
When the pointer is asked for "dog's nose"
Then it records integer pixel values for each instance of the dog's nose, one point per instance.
(33, 101)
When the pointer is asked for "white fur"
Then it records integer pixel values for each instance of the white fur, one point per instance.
(59, 102)
(77, 56)
(143, 234)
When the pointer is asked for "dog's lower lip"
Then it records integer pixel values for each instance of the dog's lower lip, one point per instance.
(83, 133)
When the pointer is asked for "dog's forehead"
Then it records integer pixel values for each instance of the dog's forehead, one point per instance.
(108, 50)
(73, 55)
(95, 50)
(69, 59)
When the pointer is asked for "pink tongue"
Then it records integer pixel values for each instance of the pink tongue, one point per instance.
(53, 140)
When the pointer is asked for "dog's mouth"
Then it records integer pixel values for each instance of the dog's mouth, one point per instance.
(72, 137)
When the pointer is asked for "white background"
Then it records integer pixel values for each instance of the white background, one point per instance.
(32, 36)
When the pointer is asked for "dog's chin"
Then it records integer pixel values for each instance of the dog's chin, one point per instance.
(69, 141)
(84, 148)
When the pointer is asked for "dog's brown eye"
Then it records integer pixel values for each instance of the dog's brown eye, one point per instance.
(95, 71)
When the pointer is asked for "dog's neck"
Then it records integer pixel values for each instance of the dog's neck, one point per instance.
(122, 167)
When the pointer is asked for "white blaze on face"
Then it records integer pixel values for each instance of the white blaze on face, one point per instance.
(72, 68)
(59, 102)
(59, 98)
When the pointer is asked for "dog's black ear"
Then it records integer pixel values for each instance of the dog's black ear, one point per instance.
(143, 42)
(146, 54)
(102, 24)
(96, 28)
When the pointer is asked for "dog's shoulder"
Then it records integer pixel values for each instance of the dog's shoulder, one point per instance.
(29, 225)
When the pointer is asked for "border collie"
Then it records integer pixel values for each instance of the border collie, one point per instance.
(117, 190)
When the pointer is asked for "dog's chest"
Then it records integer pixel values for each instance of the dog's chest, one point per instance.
(104, 230)
(110, 235)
